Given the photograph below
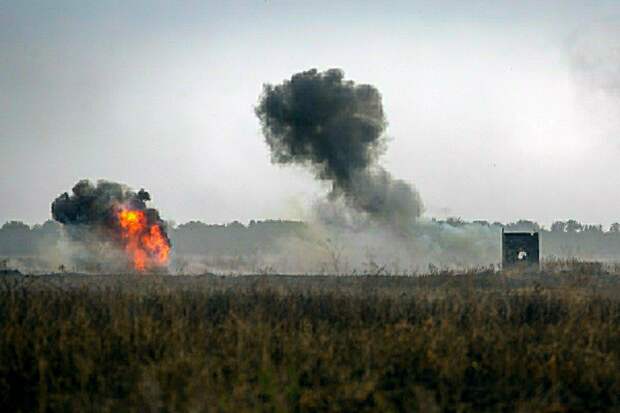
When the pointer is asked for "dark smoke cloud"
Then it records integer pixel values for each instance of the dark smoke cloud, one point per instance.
(96, 206)
(90, 213)
(336, 127)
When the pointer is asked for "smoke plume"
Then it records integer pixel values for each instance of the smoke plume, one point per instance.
(112, 214)
(335, 127)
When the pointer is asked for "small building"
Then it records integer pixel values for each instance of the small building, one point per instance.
(520, 250)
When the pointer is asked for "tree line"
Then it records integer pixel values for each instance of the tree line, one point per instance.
(569, 238)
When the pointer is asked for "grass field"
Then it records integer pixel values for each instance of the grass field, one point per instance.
(475, 341)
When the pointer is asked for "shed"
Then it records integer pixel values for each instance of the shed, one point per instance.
(520, 250)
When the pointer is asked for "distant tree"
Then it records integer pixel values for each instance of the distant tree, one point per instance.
(15, 239)
(235, 225)
(558, 226)
(573, 226)
(192, 226)
(482, 222)
(49, 228)
(45, 236)
(597, 229)
(615, 228)
(455, 221)
(15, 226)
(523, 225)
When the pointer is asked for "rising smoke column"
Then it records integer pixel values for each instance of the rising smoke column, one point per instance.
(336, 127)
(112, 213)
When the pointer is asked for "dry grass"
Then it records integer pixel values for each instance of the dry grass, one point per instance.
(470, 342)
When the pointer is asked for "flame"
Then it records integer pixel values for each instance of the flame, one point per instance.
(145, 243)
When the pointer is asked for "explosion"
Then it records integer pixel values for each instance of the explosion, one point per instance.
(145, 243)
(110, 219)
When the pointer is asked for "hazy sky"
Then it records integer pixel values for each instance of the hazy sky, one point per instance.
(496, 110)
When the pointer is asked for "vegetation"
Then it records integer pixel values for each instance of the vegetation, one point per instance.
(564, 239)
(478, 341)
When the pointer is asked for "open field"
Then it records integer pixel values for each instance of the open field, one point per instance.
(475, 341)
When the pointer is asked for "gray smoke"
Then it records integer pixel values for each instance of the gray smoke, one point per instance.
(594, 53)
(335, 127)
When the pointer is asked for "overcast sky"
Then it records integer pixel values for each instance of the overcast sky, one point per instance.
(496, 110)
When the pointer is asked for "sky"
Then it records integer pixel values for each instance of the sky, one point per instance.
(497, 110)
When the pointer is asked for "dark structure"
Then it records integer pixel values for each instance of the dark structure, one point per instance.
(520, 250)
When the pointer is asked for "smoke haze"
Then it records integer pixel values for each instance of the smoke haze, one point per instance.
(595, 56)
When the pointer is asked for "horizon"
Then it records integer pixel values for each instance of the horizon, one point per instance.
(423, 220)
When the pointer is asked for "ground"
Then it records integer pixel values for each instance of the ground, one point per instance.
(475, 341)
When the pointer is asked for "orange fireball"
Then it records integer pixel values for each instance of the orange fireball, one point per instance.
(145, 243)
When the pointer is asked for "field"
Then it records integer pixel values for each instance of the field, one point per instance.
(476, 341)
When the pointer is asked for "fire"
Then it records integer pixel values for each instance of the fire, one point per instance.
(145, 242)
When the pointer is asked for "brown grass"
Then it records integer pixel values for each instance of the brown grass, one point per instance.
(470, 342)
